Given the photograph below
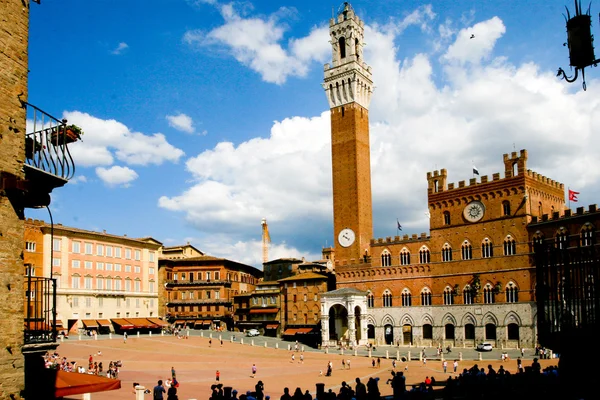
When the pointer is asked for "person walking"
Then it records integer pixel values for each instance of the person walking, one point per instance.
(343, 364)
(253, 370)
(173, 374)
(301, 358)
(445, 365)
(378, 362)
(218, 376)
(124, 337)
(455, 365)
(348, 363)
(158, 391)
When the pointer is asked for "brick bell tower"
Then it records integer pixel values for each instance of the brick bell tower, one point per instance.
(348, 87)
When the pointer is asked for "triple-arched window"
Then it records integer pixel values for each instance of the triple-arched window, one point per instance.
(425, 297)
(561, 240)
(386, 258)
(405, 257)
(448, 296)
(487, 249)
(466, 250)
(468, 295)
(489, 296)
(370, 300)
(510, 246)
(446, 252)
(387, 298)
(512, 293)
(424, 255)
(406, 298)
(587, 235)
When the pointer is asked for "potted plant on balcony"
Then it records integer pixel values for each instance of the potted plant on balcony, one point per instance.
(32, 146)
(65, 134)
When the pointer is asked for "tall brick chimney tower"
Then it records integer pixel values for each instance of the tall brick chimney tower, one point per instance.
(348, 87)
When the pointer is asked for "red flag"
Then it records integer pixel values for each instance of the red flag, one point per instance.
(573, 195)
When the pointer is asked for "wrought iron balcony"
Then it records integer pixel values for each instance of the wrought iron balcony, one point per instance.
(181, 282)
(40, 315)
(567, 293)
(48, 161)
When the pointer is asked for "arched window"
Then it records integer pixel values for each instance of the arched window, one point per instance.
(342, 43)
(489, 297)
(506, 207)
(424, 255)
(487, 250)
(446, 218)
(512, 293)
(510, 246)
(587, 235)
(370, 300)
(386, 258)
(427, 331)
(540, 210)
(406, 298)
(425, 297)
(512, 331)
(468, 295)
(448, 296)
(387, 298)
(466, 250)
(562, 239)
(405, 257)
(446, 252)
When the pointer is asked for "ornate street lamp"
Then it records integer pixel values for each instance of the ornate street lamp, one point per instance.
(580, 42)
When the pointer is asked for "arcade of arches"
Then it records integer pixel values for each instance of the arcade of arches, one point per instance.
(343, 317)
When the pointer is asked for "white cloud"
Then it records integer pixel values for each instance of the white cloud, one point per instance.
(117, 176)
(78, 179)
(256, 43)
(181, 122)
(120, 48)
(105, 140)
(428, 112)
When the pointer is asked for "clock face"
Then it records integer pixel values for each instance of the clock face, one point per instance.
(474, 211)
(346, 237)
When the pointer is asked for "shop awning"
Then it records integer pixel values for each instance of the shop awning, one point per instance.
(59, 324)
(103, 323)
(140, 322)
(90, 323)
(289, 332)
(207, 322)
(304, 330)
(158, 321)
(123, 323)
(271, 326)
(72, 383)
(264, 311)
(199, 322)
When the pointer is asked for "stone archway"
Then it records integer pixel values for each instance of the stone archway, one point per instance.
(343, 317)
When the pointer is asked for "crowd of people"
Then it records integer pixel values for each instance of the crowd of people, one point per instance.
(475, 382)
(95, 367)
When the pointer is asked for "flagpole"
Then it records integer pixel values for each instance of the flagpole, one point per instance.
(569, 196)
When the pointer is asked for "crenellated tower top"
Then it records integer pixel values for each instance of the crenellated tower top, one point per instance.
(348, 77)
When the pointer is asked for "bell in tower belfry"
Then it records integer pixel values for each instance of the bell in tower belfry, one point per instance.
(348, 87)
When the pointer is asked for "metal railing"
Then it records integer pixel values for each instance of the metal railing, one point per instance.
(46, 143)
(40, 307)
(567, 292)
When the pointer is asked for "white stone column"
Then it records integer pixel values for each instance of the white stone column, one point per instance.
(325, 330)
(352, 329)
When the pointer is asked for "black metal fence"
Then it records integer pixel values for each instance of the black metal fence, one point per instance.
(40, 306)
(46, 143)
(567, 293)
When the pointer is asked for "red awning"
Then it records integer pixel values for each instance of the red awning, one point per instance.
(103, 322)
(304, 330)
(90, 323)
(289, 332)
(264, 311)
(158, 322)
(271, 326)
(71, 383)
(123, 323)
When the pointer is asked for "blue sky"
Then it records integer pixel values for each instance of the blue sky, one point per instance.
(201, 117)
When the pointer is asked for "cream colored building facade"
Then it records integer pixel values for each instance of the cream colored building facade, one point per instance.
(99, 276)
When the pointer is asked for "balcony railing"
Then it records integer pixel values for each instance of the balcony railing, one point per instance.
(567, 293)
(46, 142)
(40, 315)
(199, 301)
